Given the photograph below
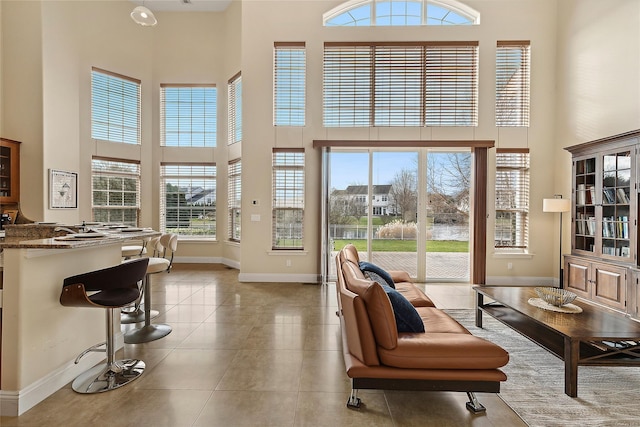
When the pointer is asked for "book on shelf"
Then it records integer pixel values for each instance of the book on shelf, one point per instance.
(609, 195)
(591, 197)
(591, 225)
(580, 195)
(622, 196)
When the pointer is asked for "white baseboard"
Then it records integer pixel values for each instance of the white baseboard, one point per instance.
(14, 403)
(272, 277)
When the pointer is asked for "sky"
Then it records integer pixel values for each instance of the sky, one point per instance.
(352, 168)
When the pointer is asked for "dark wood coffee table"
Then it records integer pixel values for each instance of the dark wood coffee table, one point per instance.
(597, 336)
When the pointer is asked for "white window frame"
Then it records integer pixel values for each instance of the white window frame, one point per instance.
(194, 181)
(511, 232)
(117, 197)
(406, 84)
(234, 200)
(513, 83)
(234, 110)
(115, 107)
(289, 84)
(188, 115)
(288, 182)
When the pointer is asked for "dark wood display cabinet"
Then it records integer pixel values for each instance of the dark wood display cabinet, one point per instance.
(603, 264)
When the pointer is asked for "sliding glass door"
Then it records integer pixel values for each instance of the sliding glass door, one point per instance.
(403, 210)
(448, 185)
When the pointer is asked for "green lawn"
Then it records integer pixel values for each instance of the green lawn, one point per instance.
(382, 245)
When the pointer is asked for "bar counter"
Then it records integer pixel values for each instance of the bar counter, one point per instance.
(40, 337)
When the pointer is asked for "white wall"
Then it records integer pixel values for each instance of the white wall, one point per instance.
(598, 88)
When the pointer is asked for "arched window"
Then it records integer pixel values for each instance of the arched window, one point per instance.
(366, 13)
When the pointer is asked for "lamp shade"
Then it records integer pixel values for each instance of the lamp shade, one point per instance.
(556, 205)
(143, 16)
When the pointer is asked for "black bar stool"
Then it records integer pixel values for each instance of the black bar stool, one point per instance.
(111, 289)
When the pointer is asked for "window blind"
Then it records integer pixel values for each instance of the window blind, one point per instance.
(188, 199)
(289, 84)
(451, 84)
(400, 84)
(234, 200)
(234, 100)
(513, 69)
(347, 86)
(288, 199)
(512, 198)
(188, 116)
(115, 107)
(115, 191)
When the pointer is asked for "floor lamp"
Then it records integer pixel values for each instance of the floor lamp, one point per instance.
(557, 204)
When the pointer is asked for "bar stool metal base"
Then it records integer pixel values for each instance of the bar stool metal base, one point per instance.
(136, 316)
(104, 377)
(147, 333)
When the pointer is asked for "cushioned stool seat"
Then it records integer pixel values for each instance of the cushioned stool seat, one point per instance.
(110, 289)
(165, 247)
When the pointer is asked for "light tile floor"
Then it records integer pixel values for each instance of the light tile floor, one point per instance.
(254, 354)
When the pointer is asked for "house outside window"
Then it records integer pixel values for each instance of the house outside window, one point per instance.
(188, 199)
(115, 107)
(512, 200)
(115, 191)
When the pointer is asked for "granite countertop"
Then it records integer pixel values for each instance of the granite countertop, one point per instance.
(71, 241)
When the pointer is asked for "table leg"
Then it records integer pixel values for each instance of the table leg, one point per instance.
(479, 303)
(571, 357)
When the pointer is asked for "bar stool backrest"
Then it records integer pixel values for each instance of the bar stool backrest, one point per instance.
(123, 277)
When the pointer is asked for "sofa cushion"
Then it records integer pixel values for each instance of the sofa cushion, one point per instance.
(381, 315)
(370, 267)
(407, 318)
(416, 297)
(442, 350)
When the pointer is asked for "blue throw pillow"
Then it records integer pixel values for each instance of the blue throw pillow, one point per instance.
(407, 317)
(367, 266)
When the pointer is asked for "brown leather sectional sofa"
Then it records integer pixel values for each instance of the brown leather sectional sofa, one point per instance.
(446, 357)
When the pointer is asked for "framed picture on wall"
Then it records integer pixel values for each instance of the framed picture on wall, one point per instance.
(63, 189)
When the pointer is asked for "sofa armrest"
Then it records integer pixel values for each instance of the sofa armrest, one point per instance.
(399, 276)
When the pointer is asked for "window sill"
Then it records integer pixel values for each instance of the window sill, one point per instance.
(188, 239)
(288, 252)
(522, 255)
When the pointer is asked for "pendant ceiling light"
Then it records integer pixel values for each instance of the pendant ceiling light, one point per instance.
(143, 16)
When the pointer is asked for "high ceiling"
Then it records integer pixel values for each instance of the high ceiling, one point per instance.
(184, 5)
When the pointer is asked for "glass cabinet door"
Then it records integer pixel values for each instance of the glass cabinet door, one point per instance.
(9, 171)
(5, 172)
(616, 196)
(585, 204)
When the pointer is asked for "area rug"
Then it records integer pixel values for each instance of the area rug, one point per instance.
(607, 396)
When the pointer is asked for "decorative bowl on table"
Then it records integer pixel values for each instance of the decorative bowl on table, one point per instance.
(555, 296)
